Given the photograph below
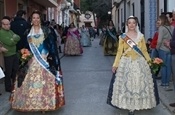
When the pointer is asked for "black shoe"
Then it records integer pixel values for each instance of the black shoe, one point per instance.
(172, 104)
(0, 94)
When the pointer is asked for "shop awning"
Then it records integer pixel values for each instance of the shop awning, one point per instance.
(47, 3)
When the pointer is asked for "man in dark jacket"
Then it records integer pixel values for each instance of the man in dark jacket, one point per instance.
(19, 26)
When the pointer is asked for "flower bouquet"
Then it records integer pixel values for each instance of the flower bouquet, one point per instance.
(24, 56)
(156, 64)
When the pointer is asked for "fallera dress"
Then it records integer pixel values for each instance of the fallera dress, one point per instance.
(85, 38)
(110, 42)
(72, 45)
(132, 87)
(41, 90)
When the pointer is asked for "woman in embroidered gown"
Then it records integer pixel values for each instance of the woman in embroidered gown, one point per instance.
(42, 88)
(85, 37)
(72, 45)
(102, 35)
(111, 40)
(132, 86)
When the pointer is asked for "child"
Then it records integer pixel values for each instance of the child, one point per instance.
(148, 44)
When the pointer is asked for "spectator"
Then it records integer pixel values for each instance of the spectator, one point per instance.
(164, 34)
(154, 52)
(19, 26)
(9, 40)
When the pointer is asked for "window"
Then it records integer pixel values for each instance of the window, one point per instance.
(118, 16)
(165, 5)
(121, 15)
(133, 9)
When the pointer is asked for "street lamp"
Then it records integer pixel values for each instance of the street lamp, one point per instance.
(109, 12)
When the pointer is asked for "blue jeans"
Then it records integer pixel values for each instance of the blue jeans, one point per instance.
(154, 53)
(166, 69)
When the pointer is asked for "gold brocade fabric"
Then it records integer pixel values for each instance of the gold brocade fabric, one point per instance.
(39, 90)
(72, 46)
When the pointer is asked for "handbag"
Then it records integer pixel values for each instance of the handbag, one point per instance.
(169, 31)
(2, 75)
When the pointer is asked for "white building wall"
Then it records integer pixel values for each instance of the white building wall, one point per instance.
(170, 5)
(83, 20)
(121, 16)
(128, 8)
(161, 6)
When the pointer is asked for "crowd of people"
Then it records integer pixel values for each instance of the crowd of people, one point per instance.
(37, 84)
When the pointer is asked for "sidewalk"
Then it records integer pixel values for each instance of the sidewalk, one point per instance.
(4, 99)
(166, 98)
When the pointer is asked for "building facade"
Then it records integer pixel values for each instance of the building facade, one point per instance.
(69, 12)
(87, 19)
(10, 7)
(147, 12)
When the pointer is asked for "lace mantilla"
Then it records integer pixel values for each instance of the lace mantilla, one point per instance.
(37, 38)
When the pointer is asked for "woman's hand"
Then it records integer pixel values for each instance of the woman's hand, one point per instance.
(167, 44)
(114, 69)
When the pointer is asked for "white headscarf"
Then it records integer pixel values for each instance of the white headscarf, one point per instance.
(139, 34)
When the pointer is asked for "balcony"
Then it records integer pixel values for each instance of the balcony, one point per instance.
(47, 3)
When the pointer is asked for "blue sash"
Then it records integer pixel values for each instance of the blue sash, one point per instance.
(131, 44)
(38, 56)
(113, 36)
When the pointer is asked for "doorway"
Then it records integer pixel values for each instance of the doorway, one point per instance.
(87, 24)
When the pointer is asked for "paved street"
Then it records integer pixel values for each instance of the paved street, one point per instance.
(86, 82)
